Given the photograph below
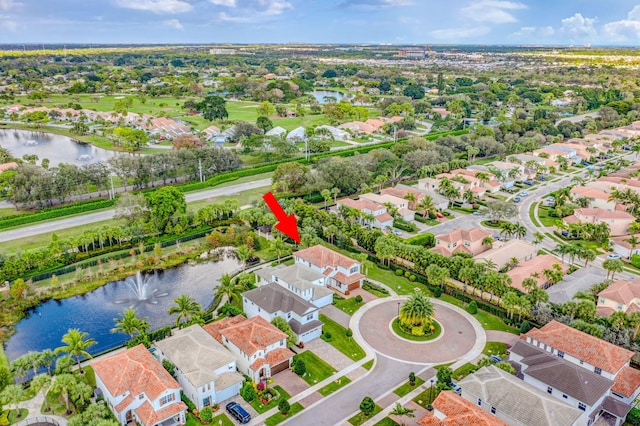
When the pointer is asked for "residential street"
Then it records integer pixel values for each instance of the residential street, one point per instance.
(41, 228)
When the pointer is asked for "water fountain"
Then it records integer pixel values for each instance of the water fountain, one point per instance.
(85, 157)
(143, 290)
(31, 142)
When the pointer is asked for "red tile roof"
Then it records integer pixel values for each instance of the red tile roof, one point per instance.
(135, 371)
(602, 214)
(148, 416)
(458, 412)
(274, 357)
(384, 217)
(622, 291)
(342, 278)
(8, 166)
(627, 381)
(471, 235)
(530, 267)
(249, 335)
(596, 352)
(322, 257)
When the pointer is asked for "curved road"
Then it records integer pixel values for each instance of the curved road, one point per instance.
(56, 225)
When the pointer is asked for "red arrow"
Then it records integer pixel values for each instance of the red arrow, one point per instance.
(286, 224)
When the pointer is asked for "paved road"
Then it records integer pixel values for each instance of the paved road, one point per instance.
(42, 228)
(330, 411)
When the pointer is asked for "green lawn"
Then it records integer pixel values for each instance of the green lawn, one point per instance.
(544, 213)
(279, 418)
(495, 348)
(220, 419)
(406, 388)
(487, 320)
(244, 198)
(532, 214)
(334, 386)
(437, 329)
(360, 418)
(400, 284)
(464, 371)
(13, 415)
(317, 368)
(387, 422)
(339, 339)
(350, 306)
(260, 408)
(427, 396)
(367, 365)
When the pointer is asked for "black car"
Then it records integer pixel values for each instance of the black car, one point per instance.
(238, 413)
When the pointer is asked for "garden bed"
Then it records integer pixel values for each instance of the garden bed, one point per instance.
(395, 325)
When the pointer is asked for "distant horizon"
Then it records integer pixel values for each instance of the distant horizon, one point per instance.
(480, 22)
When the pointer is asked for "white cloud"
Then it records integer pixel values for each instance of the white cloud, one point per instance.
(494, 11)
(174, 23)
(455, 34)
(9, 4)
(255, 11)
(626, 29)
(398, 2)
(6, 24)
(227, 3)
(579, 26)
(156, 6)
(529, 32)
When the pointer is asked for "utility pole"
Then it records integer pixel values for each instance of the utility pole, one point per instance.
(395, 136)
(113, 191)
(200, 169)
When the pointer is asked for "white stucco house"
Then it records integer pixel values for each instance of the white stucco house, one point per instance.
(299, 279)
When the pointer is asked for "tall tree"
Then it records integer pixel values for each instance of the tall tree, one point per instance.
(129, 323)
(185, 308)
(76, 344)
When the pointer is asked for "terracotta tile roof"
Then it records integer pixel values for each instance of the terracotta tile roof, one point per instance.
(342, 278)
(124, 404)
(596, 352)
(135, 371)
(249, 335)
(375, 123)
(537, 264)
(627, 381)
(8, 166)
(473, 234)
(602, 214)
(604, 311)
(622, 291)
(458, 412)
(148, 416)
(361, 204)
(215, 327)
(582, 191)
(384, 218)
(322, 257)
(274, 357)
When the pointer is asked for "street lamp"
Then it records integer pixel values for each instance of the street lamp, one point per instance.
(431, 392)
(398, 309)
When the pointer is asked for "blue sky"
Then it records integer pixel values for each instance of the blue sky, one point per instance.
(565, 22)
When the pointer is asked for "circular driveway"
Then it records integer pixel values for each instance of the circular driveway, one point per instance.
(461, 333)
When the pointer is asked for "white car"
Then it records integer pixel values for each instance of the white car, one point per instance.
(395, 231)
(614, 256)
(524, 193)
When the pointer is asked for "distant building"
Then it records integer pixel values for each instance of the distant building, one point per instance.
(418, 52)
(218, 51)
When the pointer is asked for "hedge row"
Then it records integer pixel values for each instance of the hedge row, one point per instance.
(404, 225)
(16, 220)
(426, 240)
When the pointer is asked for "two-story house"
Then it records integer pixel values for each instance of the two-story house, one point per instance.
(272, 300)
(596, 197)
(401, 204)
(623, 296)
(137, 388)
(375, 215)
(588, 353)
(260, 348)
(342, 272)
(203, 367)
(465, 240)
(516, 402)
(451, 409)
(302, 280)
(618, 222)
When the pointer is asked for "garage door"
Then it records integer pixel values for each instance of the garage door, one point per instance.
(353, 286)
(279, 367)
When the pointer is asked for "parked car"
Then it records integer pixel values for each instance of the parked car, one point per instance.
(396, 232)
(528, 182)
(495, 359)
(238, 413)
(456, 388)
(524, 193)
(477, 213)
(439, 215)
(565, 233)
(516, 200)
(584, 163)
(614, 256)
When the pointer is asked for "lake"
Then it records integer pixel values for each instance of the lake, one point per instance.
(94, 312)
(321, 94)
(57, 148)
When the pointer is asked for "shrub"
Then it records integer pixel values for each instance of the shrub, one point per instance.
(327, 335)
(634, 416)
(300, 367)
(367, 405)
(358, 299)
(404, 225)
(284, 407)
(472, 308)
(437, 292)
(230, 310)
(407, 274)
(635, 260)
(412, 277)
(349, 333)
(399, 272)
(525, 326)
(206, 415)
(248, 392)
(169, 367)
(412, 378)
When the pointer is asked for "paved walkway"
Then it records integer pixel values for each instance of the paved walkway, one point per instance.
(34, 405)
(501, 336)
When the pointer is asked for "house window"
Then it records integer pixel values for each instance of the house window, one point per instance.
(479, 402)
(276, 279)
(602, 300)
(549, 389)
(619, 305)
(353, 270)
(455, 244)
(582, 407)
(597, 370)
(565, 396)
(309, 317)
(288, 315)
(467, 243)
(581, 362)
(141, 396)
(561, 354)
(167, 399)
(493, 410)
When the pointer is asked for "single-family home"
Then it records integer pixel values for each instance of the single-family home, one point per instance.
(299, 134)
(401, 204)
(342, 272)
(449, 408)
(137, 388)
(597, 198)
(465, 240)
(337, 134)
(623, 247)
(618, 222)
(377, 213)
(501, 253)
(442, 112)
(554, 153)
(439, 201)
(276, 132)
(8, 166)
(535, 268)
(375, 123)
(516, 402)
(205, 369)
(272, 300)
(623, 296)
(302, 280)
(211, 132)
(358, 127)
(260, 348)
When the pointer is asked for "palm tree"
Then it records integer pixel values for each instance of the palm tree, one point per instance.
(487, 242)
(229, 289)
(612, 266)
(411, 198)
(129, 323)
(529, 284)
(426, 205)
(48, 358)
(42, 383)
(490, 265)
(510, 302)
(633, 242)
(327, 196)
(634, 323)
(278, 246)
(77, 342)
(244, 253)
(186, 307)
(520, 230)
(13, 394)
(538, 237)
(63, 384)
(417, 311)
(618, 319)
(400, 411)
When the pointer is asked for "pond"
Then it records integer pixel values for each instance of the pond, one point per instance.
(322, 95)
(57, 148)
(151, 295)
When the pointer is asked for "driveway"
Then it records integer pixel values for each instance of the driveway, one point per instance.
(580, 280)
